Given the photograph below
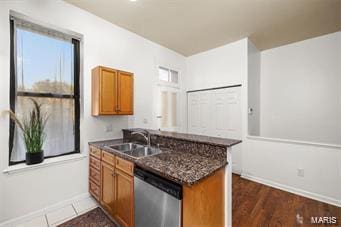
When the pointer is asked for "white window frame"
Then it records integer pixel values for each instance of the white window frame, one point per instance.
(168, 83)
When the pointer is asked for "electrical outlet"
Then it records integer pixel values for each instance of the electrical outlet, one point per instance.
(108, 128)
(300, 172)
(145, 121)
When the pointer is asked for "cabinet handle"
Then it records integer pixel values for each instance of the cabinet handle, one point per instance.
(113, 174)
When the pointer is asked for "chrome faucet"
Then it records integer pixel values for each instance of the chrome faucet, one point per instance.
(145, 134)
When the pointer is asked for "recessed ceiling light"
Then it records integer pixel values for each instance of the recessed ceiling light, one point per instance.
(133, 0)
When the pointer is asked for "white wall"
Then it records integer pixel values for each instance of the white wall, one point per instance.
(276, 162)
(254, 59)
(301, 90)
(217, 67)
(104, 44)
(270, 162)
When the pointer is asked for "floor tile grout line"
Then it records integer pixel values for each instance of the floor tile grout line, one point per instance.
(76, 214)
(74, 209)
(47, 221)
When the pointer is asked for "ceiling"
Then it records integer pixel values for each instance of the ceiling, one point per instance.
(192, 26)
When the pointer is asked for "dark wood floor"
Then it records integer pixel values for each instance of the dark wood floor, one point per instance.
(259, 205)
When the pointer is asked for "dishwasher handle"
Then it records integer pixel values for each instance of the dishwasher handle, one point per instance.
(163, 184)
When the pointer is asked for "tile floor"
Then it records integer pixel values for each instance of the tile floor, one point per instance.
(61, 215)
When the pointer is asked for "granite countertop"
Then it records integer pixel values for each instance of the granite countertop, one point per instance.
(181, 167)
(101, 144)
(192, 137)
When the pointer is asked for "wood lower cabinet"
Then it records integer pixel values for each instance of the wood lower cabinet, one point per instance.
(124, 166)
(108, 187)
(95, 190)
(95, 172)
(111, 182)
(203, 203)
(112, 92)
(124, 199)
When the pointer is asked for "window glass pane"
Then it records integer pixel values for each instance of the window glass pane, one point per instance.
(59, 128)
(44, 64)
(174, 76)
(163, 74)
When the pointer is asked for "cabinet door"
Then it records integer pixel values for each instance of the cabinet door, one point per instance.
(203, 203)
(125, 93)
(124, 204)
(107, 187)
(108, 87)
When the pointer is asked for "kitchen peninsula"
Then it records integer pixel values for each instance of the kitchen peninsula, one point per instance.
(199, 165)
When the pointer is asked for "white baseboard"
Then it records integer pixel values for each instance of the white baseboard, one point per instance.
(297, 191)
(34, 214)
(237, 171)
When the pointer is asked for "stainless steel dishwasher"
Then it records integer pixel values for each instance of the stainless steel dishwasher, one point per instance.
(157, 200)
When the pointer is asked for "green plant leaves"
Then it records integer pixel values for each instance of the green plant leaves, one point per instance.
(33, 128)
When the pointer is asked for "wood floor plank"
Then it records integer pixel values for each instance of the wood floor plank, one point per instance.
(254, 204)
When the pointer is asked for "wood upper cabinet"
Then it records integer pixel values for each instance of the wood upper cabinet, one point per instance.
(125, 96)
(124, 194)
(112, 92)
(108, 187)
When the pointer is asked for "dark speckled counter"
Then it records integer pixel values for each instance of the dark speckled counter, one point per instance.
(103, 143)
(181, 167)
(185, 158)
(216, 141)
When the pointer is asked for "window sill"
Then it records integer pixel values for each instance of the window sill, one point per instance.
(22, 167)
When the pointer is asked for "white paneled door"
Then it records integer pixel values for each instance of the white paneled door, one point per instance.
(204, 112)
(220, 110)
(217, 113)
(168, 108)
(193, 113)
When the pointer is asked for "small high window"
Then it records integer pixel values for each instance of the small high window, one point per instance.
(168, 75)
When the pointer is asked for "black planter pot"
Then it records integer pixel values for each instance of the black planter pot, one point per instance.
(34, 158)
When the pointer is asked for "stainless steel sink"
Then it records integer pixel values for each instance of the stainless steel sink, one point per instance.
(135, 150)
(143, 152)
(126, 147)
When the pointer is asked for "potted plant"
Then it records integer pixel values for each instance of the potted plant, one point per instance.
(33, 128)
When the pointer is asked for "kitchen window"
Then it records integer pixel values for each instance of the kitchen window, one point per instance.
(45, 66)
